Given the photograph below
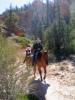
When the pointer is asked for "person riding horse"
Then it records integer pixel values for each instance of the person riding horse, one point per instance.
(37, 57)
(37, 48)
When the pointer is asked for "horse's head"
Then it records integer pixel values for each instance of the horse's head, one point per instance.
(28, 51)
(45, 53)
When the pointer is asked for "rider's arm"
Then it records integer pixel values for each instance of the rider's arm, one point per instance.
(41, 47)
(34, 47)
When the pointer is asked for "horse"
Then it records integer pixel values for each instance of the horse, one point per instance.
(41, 62)
(28, 58)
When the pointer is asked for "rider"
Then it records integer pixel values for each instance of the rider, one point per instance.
(37, 47)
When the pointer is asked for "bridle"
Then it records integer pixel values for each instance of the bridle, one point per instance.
(28, 52)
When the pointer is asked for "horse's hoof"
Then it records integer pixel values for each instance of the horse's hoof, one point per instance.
(41, 79)
(34, 77)
(44, 77)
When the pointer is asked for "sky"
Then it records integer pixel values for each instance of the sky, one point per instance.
(4, 4)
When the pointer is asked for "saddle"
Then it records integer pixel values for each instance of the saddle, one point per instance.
(39, 55)
(44, 55)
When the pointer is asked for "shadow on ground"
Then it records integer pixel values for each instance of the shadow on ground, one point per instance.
(37, 90)
(72, 59)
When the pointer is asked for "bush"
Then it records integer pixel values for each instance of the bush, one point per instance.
(49, 38)
(7, 60)
(21, 96)
(72, 46)
(22, 41)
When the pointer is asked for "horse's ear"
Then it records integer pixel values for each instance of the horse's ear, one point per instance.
(47, 51)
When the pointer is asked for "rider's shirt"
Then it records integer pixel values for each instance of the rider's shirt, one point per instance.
(37, 47)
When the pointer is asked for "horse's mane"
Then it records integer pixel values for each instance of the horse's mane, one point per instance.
(44, 57)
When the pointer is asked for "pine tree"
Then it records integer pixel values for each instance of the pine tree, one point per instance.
(11, 21)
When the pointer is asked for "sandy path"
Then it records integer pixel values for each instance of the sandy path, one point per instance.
(57, 91)
(59, 84)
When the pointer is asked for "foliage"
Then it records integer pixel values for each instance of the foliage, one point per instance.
(7, 60)
(72, 41)
(11, 20)
(48, 38)
(57, 34)
(58, 39)
(22, 41)
(21, 96)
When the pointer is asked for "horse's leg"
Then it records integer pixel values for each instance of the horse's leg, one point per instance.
(40, 72)
(45, 72)
(27, 66)
(24, 60)
(34, 70)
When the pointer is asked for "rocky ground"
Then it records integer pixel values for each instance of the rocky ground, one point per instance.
(61, 80)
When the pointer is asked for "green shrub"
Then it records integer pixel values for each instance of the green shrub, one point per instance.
(49, 39)
(22, 41)
(21, 96)
(72, 46)
(32, 97)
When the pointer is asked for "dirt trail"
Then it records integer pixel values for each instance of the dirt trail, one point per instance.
(56, 91)
(60, 81)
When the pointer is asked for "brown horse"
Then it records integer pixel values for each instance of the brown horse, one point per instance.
(28, 58)
(41, 62)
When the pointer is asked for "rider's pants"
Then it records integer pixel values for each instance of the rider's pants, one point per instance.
(35, 57)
